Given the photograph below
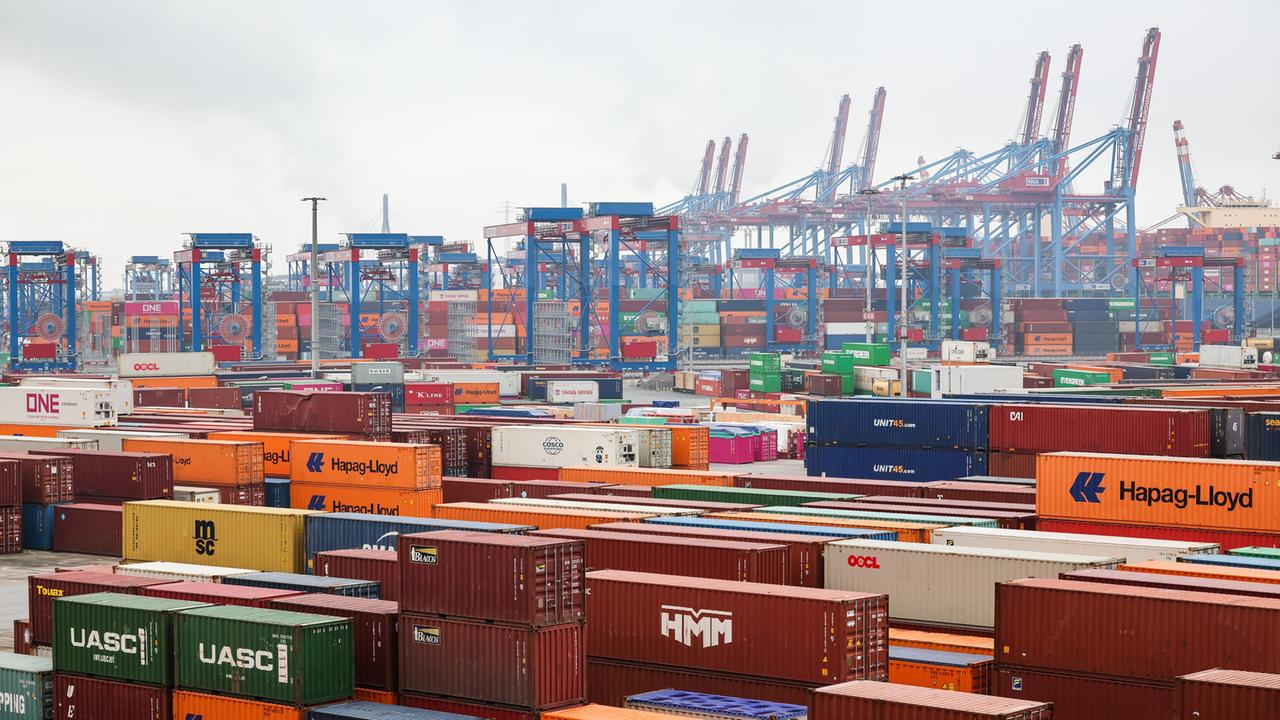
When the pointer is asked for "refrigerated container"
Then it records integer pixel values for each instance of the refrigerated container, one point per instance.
(77, 407)
(175, 572)
(559, 446)
(1125, 548)
(121, 390)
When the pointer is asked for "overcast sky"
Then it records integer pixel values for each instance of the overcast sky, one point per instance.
(126, 124)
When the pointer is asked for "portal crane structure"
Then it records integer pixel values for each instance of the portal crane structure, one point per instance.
(41, 301)
(219, 283)
(373, 279)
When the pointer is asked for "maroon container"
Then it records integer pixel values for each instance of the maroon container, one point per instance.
(242, 494)
(609, 682)
(158, 397)
(624, 491)
(832, 485)
(1050, 427)
(1148, 634)
(1007, 520)
(22, 643)
(85, 698)
(119, 475)
(374, 626)
(88, 528)
(1175, 582)
(983, 492)
(1227, 695)
(46, 480)
(218, 594)
(458, 489)
(452, 442)
(535, 668)
(520, 474)
(547, 488)
(707, 505)
(930, 502)
(1226, 539)
(10, 530)
(463, 707)
(825, 384)
(1012, 464)
(508, 578)
(861, 699)
(10, 483)
(801, 634)
(1077, 697)
(42, 590)
(337, 412)
(708, 558)
(225, 398)
(381, 566)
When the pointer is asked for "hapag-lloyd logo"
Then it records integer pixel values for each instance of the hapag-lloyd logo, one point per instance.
(683, 624)
(1087, 488)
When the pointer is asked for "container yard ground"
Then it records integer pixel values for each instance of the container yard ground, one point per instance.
(14, 570)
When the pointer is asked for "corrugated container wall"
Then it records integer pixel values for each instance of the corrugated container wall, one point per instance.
(1227, 695)
(83, 626)
(80, 697)
(709, 558)
(26, 687)
(1077, 697)
(373, 629)
(1049, 427)
(267, 539)
(913, 423)
(904, 702)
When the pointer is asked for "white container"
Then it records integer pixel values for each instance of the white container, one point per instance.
(22, 443)
(865, 377)
(508, 383)
(966, 351)
(84, 407)
(175, 364)
(562, 446)
(180, 572)
(121, 390)
(452, 295)
(1126, 548)
(597, 506)
(188, 493)
(1229, 356)
(373, 373)
(572, 391)
(850, 328)
(966, 379)
(112, 440)
(596, 411)
(939, 584)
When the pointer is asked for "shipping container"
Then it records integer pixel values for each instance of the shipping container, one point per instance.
(906, 531)
(893, 421)
(893, 463)
(358, 710)
(611, 682)
(463, 489)
(1144, 633)
(187, 493)
(25, 443)
(507, 578)
(1020, 520)
(87, 528)
(217, 593)
(725, 626)
(1226, 695)
(377, 464)
(552, 489)
(75, 407)
(946, 642)
(646, 476)
(940, 669)
(709, 558)
(861, 699)
(969, 491)
(1225, 539)
(548, 517)
(43, 590)
(121, 390)
(974, 506)
(386, 697)
(852, 512)
(344, 530)
(757, 496)
(206, 462)
(1176, 582)
(559, 446)
(521, 667)
(26, 687)
(46, 480)
(78, 697)
(619, 506)
(298, 658)
(1051, 427)
(265, 539)
(1087, 698)
(112, 439)
(1128, 549)
(1240, 561)
(207, 706)
(117, 636)
(298, 582)
(1166, 567)
(166, 364)
(119, 475)
(363, 499)
(652, 502)
(276, 453)
(846, 486)
(380, 566)
(324, 412)
(179, 572)
(473, 708)
(373, 624)
(11, 485)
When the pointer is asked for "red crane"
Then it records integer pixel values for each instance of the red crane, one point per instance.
(1035, 100)
(872, 145)
(1125, 170)
(739, 166)
(836, 158)
(723, 165)
(1066, 108)
(704, 175)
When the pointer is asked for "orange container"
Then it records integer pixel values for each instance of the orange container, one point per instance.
(907, 531)
(944, 642)
(32, 430)
(1221, 391)
(186, 383)
(475, 393)
(386, 697)
(364, 499)
(275, 447)
(285, 346)
(368, 464)
(286, 320)
(205, 462)
(1217, 572)
(690, 447)
(546, 518)
(1151, 490)
(187, 704)
(974, 677)
(645, 476)
(1116, 373)
(602, 712)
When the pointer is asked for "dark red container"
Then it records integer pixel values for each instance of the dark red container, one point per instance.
(1011, 464)
(609, 682)
(84, 698)
(980, 492)
(1227, 539)
(887, 701)
(825, 384)
(10, 483)
(708, 558)
(158, 397)
(458, 489)
(119, 475)
(242, 494)
(382, 566)
(1149, 634)
(463, 707)
(775, 631)
(1050, 427)
(22, 642)
(1007, 520)
(42, 590)
(428, 394)
(1076, 697)
(88, 528)
(625, 491)
(1175, 582)
(524, 667)
(520, 474)
(225, 398)
(452, 442)
(928, 502)
(1227, 695)
(374, 626)
(547, 488)
(218, 594)
(707, 505)
(508, 578)
(10, 530)
(339, 412)
(46, 479)
(832, 485)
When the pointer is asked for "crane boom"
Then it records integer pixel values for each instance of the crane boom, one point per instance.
(872, 145)
(739, 166)
(836, 158)
(704, 175)
(1185, 170)
(1035, 100)
(1125, 171)
(1066, 108)
(722, 166)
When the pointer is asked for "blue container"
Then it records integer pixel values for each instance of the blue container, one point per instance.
(365, 710)
(898, 422)
(610, 388)
(1240, 561)
(683, 702)
(826, 531)
(396, 390)
(893, 463)
(37, 526)
(278, 492)
(344, 531)
(1263, 442)
(936, 657)
(348, 587)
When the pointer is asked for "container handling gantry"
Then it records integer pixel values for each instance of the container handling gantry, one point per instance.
(798, 310)
(212, 273)
(41, 302)
(376, 275)
(148, 277)
(1173, 266)
(298, 266)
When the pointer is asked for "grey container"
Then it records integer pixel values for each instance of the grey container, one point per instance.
(348, 587)
(365, 710)
(26, 687)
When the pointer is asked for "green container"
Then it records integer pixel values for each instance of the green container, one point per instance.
(121, 637)
(750, 496)
(700, 306)
(838, 362)
(26, 687)
(642, 421)
(872, 354)
(874, 515)
(764, 363)
(699, 318)
(922, 380)
(1160, 358)
(1122, 304)
(276, 655)
(765, 383)
(1063, 377)
(1258, 552)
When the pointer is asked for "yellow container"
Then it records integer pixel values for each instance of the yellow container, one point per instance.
(266, 539)
(371, 464)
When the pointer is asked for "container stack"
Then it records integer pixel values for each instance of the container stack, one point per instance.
(26, 686)
(47, 481)
(365, 477)
(380, 377)
(11, 510)
(234, 468)
(765, 371)
(266, 539)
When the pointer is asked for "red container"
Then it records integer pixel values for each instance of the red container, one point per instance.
(1076, 697)
(243, 494)
(1175, 582)
(520, 474)
(463, 707)
(84, 698)
(548, 488)
(46, 480)
(157, 397)
(88, 528)
(524, 667)
(930, 502)
(10, 483)
(218, 594)
(42, 590)
(508, 578)
(340, 412)
(792, 633)
(119, 475)
(10, 530)
(890, 701)
(981, 492)
(22, 643)
(1227, 695)
(1050, 427)
(825, 384)
(428, 394)
(707, 505)
(225, 398)
(832, 485)
(708, 558)
(1148, 634)
(1227, 539)
(1006, 520)
(475, 489)
(1011, 464)
(609, 682)
(379, 565)
(373, 624)
(624, 491)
